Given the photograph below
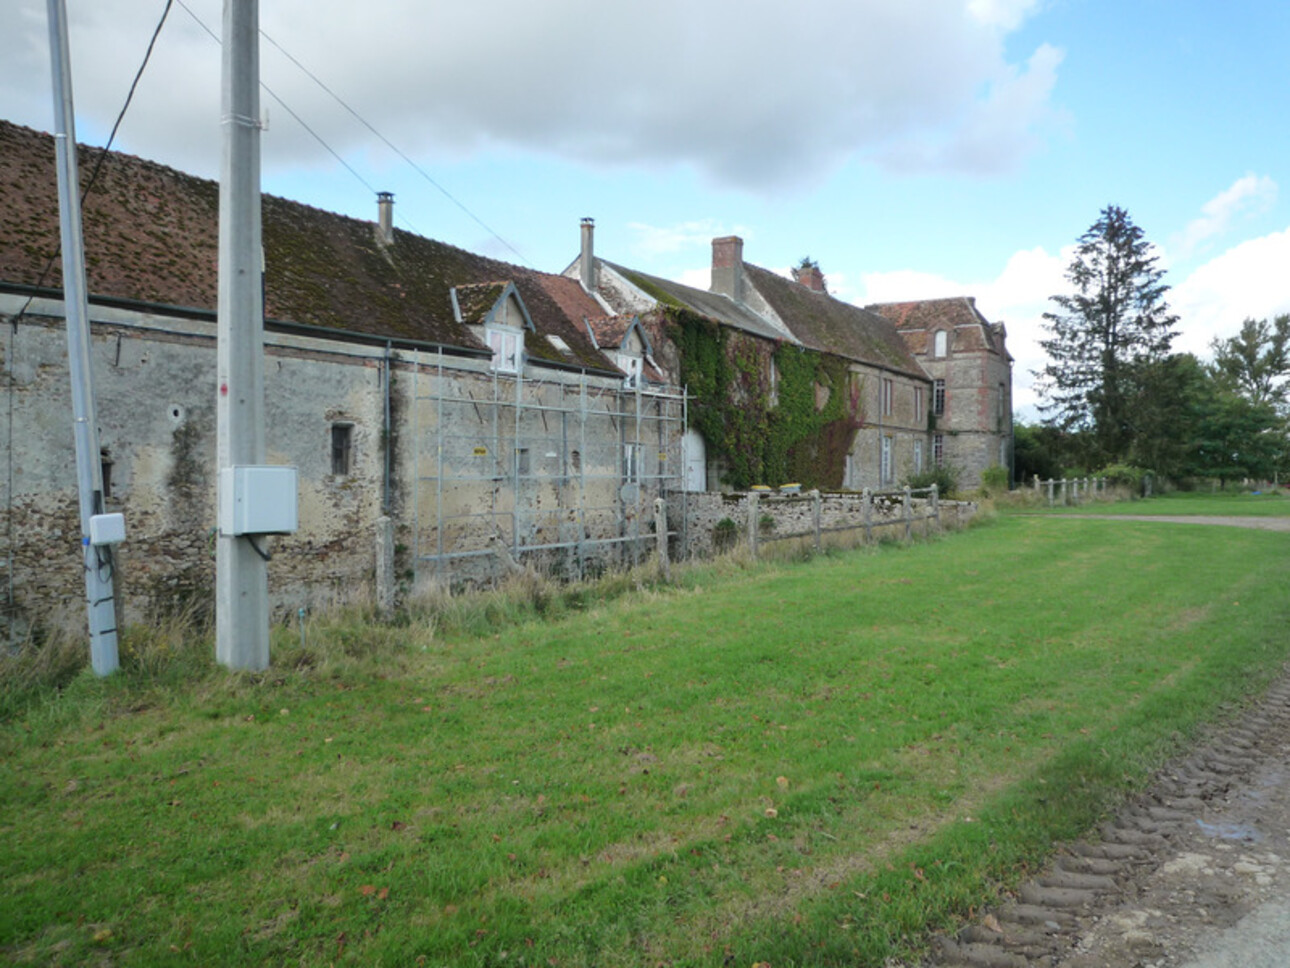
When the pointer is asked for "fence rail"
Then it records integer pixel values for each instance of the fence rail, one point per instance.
(1073, 490)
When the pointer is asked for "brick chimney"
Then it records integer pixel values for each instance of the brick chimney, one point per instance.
(385, 218)
(811, 277)
(728, 267)
(587, 262)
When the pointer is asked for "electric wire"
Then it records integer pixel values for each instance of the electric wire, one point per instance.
(368, 125)
(393, 147)
(44, 274)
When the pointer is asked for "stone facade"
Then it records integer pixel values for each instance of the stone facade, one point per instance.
(967, 359)
(551, 466)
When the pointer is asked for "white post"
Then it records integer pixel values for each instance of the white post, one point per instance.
(241, 575)
(97, 562)
(753, 503)
(816, 515)
(660, 536)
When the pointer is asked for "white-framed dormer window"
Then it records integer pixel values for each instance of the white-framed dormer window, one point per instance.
(941, 344)
(631, 365)
(507, 345)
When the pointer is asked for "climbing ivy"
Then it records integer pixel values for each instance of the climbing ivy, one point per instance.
(798, 431)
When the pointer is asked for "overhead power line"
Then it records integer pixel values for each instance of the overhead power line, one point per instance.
(370, 127)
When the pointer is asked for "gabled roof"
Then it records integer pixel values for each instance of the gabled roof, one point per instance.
(830, 325)
(611, 332)
(918, 319)
(480, 304)
(152, 235)
(713, 305)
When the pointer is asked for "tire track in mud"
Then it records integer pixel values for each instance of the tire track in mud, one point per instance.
(1195, 853)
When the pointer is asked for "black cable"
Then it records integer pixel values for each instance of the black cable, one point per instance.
(389, 144)
(365, 123)
(98, 164)
(250, 539)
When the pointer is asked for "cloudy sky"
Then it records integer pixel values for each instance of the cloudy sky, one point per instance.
(914, 148)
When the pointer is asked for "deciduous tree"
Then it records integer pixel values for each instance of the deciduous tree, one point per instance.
(1256, 362)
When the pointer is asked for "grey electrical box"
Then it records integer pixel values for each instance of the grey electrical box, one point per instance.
(258, 500)
(107, 529)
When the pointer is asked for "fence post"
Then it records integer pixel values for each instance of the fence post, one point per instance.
(936, 506)
(753, 500)
(660, 535)
(816, 514)
(1063, 492)
(908, 507)
(1050, 492)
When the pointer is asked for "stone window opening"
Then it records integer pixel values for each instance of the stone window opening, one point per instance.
(342, 449)
(105, 471)
(940, 344)
(938, 398)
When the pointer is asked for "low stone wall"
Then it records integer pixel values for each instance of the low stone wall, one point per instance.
(707, 519)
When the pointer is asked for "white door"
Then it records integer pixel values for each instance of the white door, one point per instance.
(694, 462)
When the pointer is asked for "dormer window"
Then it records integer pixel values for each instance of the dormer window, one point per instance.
(631, 365)
(941, 344)
(507, 345)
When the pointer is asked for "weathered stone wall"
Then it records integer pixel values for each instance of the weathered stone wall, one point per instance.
(475, 459)
(793, 514)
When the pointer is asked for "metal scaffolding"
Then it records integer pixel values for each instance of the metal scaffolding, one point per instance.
(558, 472)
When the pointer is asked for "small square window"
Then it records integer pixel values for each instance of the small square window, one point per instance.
(342, 449)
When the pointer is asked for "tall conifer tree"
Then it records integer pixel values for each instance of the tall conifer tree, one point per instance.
(1103, 334)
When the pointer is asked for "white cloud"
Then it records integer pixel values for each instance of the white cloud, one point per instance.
(740, 90)
(1017, 297)
(1007, 14)
(655, 240)
(1248, 196)
(1247, 280)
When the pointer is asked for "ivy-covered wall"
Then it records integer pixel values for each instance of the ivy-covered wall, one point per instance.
(800, 430)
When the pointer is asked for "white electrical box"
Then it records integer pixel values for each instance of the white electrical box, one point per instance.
(258, 500)
(107, 529)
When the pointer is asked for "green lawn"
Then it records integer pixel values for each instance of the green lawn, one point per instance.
(800, 764)
(1221, 503)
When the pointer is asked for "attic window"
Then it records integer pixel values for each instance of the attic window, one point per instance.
(559, 344)
(631, 365)
(940, 344)
(507, 345)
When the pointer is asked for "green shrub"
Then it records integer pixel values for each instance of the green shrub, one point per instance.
(1126, 475)
(945, 477)
(994, 480)
(724, 533)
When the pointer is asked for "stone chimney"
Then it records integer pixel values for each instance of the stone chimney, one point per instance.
(728, 267)
(385, 218)
(587, 263)
(810, 276)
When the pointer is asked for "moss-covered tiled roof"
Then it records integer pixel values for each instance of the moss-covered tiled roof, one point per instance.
(152, 234)
(711, 304)
(917, 319)
(823, 323)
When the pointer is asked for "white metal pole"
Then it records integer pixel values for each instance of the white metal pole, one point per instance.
(241, 575)
(98, 562)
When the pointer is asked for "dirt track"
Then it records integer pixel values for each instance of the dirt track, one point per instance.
(1195, 873)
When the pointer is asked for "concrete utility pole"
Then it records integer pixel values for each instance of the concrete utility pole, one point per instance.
(241, 573)
(98, 558)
